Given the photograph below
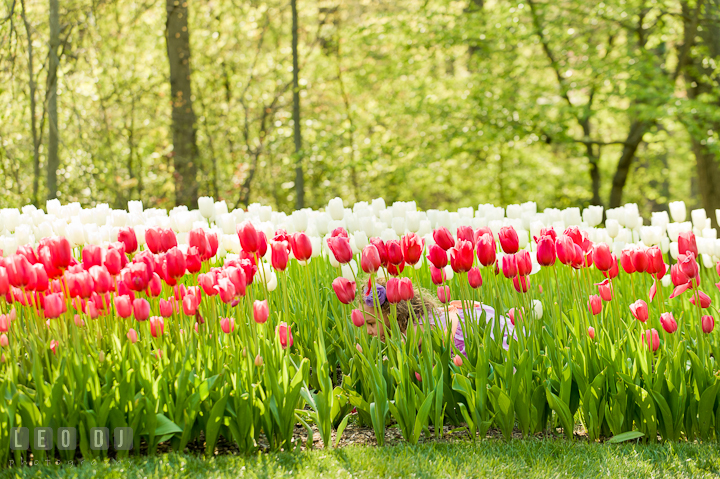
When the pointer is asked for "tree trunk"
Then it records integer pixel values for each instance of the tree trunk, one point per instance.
(707, 162)
(53, 136)
(593, 159)
(634, 137)
(33, 107)
(185, 150)
(297, 136)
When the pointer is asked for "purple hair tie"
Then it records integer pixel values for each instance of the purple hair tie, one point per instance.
(368, 297)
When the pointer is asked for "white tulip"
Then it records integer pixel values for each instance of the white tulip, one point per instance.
(399, 209)
(412, 221)
(678, 211)
(709, 233)
(650, 235)
(571, 216)
(425, 228)
(265, 213)
(336, 209)
(349, 270)
(9, 245)
(674, 250)
(273, 282)
(535, 228)
(522, 238)
(351, 221)
(53, 206)
(315, 242)
(135, 206)
(321, 222)
(665, 244)
(361, 240)
(221, 208)
(717, 248)
(378, 205)
(300, 220)
(666, 281)
(612, 227)
(704, 245)
(698, 218)
(398, 224)
(514, 211)
(75, 234)
(44, 230)
(388, 235)
(443, 219)
(449, 273)
(537, 309)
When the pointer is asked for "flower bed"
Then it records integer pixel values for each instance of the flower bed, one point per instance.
(235, 324)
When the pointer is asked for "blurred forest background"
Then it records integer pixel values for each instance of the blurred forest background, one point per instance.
(450, 103)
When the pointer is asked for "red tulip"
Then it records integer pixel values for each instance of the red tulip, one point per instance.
(704, 299)
(546, 251)
(132, 336)
(137, 276)
(474, 278)
(381, 248)
(639, 260)
(406, 289)
(524, 263)
(667, 320)
(686, 242)
(639, 310)
(28, 252)
(339, 231)
(262, 244)
(285, 335)
(509, 241)
(509, 266)
(392, 289)
(248, 236)
(357, 317)
(602, 257)
(213, 244)
(626, 261)
(486, 249)
(443, 238)
(708, 324)
(591, 332)
(565, 249)
(141, 309)
(126, 236)
(575, 234)
(301, 246)
(651, 338)
(412, 247)
(280, 255)
(227, 325)
(595, 304)
(225, 289)
(197, 239)
(394, 252)
(437, 275)
(443, 293)
(605, 289)
(437, 256)
(5, 322)
(53, 346)
(4, 281)
(193, 260)
(238, 279)
(370, 259)
(579, 258)
(260, 311)
(61, 253)
(614, 269)
(166, 308)
(152, 239)
(113, 261)
(157, 326)
(466, 233)
(340, 248)
(461, 256)
(521, 284)
(176, 265)
(480, 232)
(344, 289)
(42, 282)
(677, 276)
(54, 305)
(80, 284)
(395, 270)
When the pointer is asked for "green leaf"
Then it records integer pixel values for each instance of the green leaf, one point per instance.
(626, 436)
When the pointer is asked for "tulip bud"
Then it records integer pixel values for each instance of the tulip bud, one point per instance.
(443, 293)
(418, 377)
(227, 325)
(521, 284)
(708, 324)
(284, 335)
(667, 320)
(591, 332)
(258, 361)
(651, 338)
(357, 317)
(358, 347)
(4, 342)
(595, 304)
(457, 360)
(474, 278)
(261, 311)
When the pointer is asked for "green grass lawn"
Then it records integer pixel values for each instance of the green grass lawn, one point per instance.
(490, 458)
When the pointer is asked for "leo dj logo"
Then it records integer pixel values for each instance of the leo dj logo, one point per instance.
(65, 438)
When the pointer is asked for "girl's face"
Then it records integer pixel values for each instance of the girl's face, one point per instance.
(373, 325)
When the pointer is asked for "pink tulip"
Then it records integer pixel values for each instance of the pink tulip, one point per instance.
(226, 290)
(285, 335)
(521, 284)
(602, 257)
(605, 290)
(595, 304)
(651, 338)
(708, 324)
(370, 259)
(565, 249)
(406, 289)
(53, 346)
(457, 360)
(141, 309)
(301, 246)
(437, 275)
(486, 249)
(461, 256)
(412, 247)
(667, 320)
(261, 311)
(392, 289)
(166, 308)
(639, 310)
(79, 321)
(704, 299)
(157, 326)
(687, 243)
(345, 290)
(126, 236)
(357, 317)
(132, 336)
(688, 265)
(227, 325)
(591, 332)
(54, 305)
(418, 377)
(443, 293)
(546, 251)
(4, 340)
(280, 255)
(509, 266)
(123, 306)
(258, 361)
(4, 323)
(189, 305)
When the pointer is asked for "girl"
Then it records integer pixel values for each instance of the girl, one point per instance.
(436, 313)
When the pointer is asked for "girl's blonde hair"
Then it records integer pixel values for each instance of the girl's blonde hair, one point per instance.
(421, 295)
